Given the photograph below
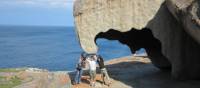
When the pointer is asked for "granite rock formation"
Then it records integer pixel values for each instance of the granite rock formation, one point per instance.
(187, 12)
(165, 31)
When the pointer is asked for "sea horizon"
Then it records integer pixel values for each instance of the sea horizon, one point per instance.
(55, 48)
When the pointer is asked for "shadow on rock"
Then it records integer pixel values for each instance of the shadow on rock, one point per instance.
(145, 75)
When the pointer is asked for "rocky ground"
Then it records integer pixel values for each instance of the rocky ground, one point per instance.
(137, 72)
(37, 78)
(126, 72)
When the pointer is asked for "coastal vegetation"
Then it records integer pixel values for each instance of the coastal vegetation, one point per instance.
(11, 69)
(6, 82)
(7, 79)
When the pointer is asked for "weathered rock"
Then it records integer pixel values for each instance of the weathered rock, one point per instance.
(38, 78)
(94, 16)
(139, 24)
(187, 12)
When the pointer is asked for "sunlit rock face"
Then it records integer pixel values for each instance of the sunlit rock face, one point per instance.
(94, 16)
(140, 24)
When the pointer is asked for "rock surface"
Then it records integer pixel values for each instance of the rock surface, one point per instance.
(137, 72)
(94, 16)
(45, 80)
(187, 12)
(38, 78)
(144, 24)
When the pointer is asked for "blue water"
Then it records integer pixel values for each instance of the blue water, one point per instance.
(52, 48)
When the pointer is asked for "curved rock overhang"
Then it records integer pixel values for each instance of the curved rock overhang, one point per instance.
(94, 16)
(173, 47)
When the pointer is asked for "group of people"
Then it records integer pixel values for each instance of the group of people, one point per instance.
(90, 60)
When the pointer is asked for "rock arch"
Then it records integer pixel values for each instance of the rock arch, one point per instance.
(136, 39)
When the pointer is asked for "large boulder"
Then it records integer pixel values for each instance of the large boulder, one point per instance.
(94, 16)
(187, 12)
(139, 24)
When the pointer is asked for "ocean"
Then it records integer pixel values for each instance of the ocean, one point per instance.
(48, 47)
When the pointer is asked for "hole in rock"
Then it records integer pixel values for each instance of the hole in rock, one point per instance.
(139, 39)
(112, 49)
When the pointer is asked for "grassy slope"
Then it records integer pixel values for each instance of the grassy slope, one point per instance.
(9, 83)
(6, 82)
(11, 69)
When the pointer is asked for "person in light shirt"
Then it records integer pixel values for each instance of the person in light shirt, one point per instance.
(92, 69)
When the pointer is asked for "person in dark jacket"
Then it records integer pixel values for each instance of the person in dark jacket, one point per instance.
(104, 73)
(79, 68)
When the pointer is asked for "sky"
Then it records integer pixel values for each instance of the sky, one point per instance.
(36, 12)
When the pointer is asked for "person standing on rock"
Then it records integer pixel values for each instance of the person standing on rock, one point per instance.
(79, 68)
(92, 69)
(104, 73)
